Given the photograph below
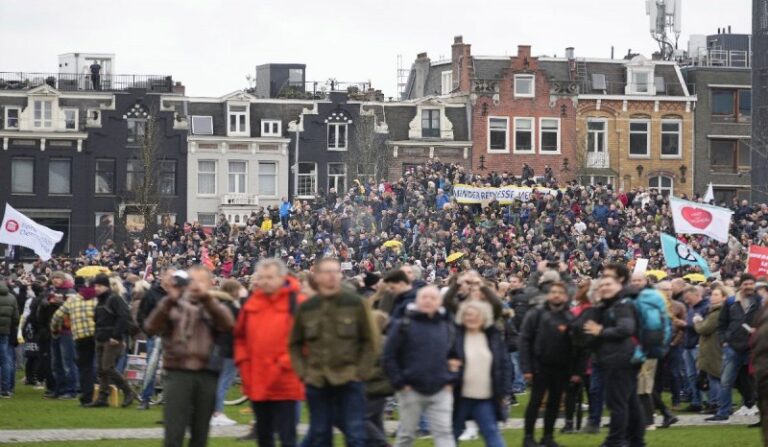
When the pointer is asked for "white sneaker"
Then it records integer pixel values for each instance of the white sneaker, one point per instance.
(470, 434)
(743, 411)
(752, 411)
(222, 420)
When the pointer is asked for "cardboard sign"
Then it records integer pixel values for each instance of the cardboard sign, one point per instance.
(641, 265)
(757, 261)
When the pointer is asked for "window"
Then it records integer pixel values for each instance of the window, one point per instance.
(596, 136)
(60, 176)
(745, 104)
(238, 120)
(267, 178)
(43, 113)
(639, 143)
(134, 175)
(337, 136)
(11, 118)
(732, 105)
(167, 184)
(523, 135)
(723, 102)
(296, 77)
(641, 82)
(498, 130)
(105, 176)
(137, 128)
(525, 86)
(207, 219)
(550, 135)
(366, 171)
(662, 184)
(671, 138)
(202, 125)
(238, 173)
(270, 128)
(430, 123)
(729, 156)
(446, 79)
(70, 119)
(206, 177)
(22, 176)
(307, 182)
(337, 177)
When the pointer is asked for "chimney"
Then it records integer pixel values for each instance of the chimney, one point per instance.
(524, 51)
(461, 56)
(421, 70)
(569, 53)
(729, 29)
(611, 51)
(179, 88)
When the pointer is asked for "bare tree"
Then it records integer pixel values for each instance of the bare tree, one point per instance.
(368, 156)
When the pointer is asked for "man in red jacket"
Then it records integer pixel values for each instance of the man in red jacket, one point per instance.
(261, 352)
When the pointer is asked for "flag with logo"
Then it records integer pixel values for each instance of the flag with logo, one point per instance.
(696, 218)
(757, 261)
(678, 254)
(18, 229)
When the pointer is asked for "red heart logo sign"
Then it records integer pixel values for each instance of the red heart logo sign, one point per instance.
(697, 217)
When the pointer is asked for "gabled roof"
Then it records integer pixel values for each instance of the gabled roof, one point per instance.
(238, 95)
(43, 90)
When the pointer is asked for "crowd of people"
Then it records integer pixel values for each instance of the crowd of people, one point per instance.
(396, 290)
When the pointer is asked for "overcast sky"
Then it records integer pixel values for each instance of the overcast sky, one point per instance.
(212, 45)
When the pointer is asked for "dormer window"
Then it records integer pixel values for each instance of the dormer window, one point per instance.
(640, 81)
(238, 120)
(640, 77)
(43, 117)
(525, 86)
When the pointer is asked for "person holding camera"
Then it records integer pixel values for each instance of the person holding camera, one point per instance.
(189, 320)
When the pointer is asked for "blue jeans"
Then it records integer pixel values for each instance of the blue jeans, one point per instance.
(518, 382)
(714, 390)
(347, 402)
(484, 413)
(596, 395)
(64, 365)
(226, 377)
(691, 374)
(732, 363)
(149, 389)
(6, 364)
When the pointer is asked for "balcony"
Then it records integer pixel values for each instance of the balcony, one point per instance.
(240, 199)
(83, 82)
(598, 160)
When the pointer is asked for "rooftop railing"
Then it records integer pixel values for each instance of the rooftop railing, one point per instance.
(85, 82)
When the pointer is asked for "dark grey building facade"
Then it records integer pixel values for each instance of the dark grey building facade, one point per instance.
(760, 100)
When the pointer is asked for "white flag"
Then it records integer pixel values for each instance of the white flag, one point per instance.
(18, 229)
(709, 196)
(695, 218)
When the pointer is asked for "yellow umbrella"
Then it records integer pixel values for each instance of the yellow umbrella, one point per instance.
(659, 274)
(695, 277)
(91, 270)
(454, 256)
(392, 244)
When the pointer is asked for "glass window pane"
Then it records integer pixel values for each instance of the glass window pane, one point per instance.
(521, 124)
(343, 135)
(59, 176)
(722, 102)
(638, 144)
(105, 176)
(22, 175)
(745, 102)
(267, 179)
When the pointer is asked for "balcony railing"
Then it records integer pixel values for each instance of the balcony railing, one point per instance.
(239, 199)
(85, 82)
(720, 58)
(619, 88)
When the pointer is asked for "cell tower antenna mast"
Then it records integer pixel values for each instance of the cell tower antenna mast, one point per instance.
(666, 23)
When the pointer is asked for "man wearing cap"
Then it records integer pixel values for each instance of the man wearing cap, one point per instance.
(112, 316)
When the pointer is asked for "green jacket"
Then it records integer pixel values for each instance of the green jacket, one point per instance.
(710, 358)
(9, 311)
(334, 340)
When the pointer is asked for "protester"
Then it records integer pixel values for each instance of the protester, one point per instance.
(378, 390)
(229, 296)
(62, 347)
(398, 285)
(697, 306)
(421, 362)
(189, 320)
(332, 349)
(9, 320)
(710, 361)
(262, 334)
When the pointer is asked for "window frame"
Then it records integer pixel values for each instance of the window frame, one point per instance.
(192, 124)
(661, 188)
(491, 150)
(431, 132)
(737, 163)
(96, 172)
(276, 175)
(330, 176)
(34, 165)
(68, 160)
(604, 132)
(6, 118)
(199, 220)
(649, 81)
(336, 146)
(313, 175)
(532, 78)
(246, 129)
(662, 132)
(541, 136)
(75, 119)
(446, 87)
(214, 173)
(270, 124)
(132, 174)
(40, 123)
(230, 173)
(532, 132)
(647, 123)
(135, 138)
(162, 171)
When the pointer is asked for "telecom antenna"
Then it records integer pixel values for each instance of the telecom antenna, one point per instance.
(666, 20)
(402, 77)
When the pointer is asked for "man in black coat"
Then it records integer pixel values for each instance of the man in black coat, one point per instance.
(548, 358)
(614, 355)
